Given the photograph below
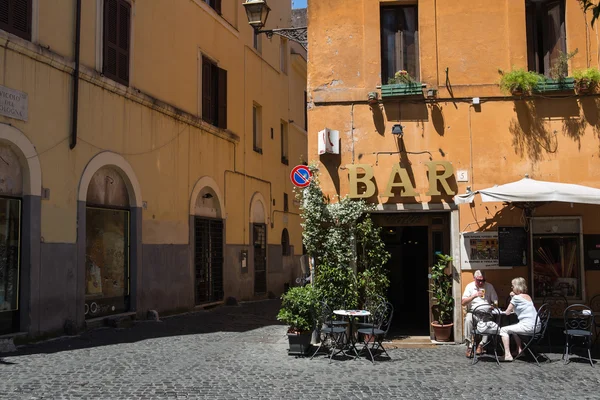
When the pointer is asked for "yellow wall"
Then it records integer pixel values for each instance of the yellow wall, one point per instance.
(462, 46)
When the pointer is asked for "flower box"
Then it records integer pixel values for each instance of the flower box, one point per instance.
(401, 89)
(553, 85)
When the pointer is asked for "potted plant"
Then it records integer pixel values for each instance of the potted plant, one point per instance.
(519, 81)
(559, 80)
(402, 84)
(586, 80)
(441, 289)
(298, 311)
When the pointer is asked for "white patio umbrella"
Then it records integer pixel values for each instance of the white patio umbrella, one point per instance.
(531, 190)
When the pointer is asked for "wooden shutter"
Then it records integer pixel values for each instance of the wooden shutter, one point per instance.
(117, 22)
(207, 89)
(218, 6)
(554, 33)
(15, 17)
(222, 98)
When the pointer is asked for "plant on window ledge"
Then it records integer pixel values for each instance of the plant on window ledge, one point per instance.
(519, 82)
(559, 80)
(586, 80)
(402, 84)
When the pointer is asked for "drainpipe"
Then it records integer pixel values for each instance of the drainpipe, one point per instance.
(76, 78)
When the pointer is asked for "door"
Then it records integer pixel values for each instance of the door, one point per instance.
(10, 263)
(259, 235)
(208, 260)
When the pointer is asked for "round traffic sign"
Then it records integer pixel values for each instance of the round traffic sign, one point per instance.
(301, 176)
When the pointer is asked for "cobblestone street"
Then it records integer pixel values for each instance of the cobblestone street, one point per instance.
(240, 352)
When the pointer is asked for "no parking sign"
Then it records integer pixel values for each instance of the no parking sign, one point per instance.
(301, 176)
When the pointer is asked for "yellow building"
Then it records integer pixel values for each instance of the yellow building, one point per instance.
(410, 149)
(145, 155)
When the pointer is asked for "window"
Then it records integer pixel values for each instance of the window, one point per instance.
(305, 111)
(215, 4)
(214, 94)
(117, 24)
(284, 143)
(257, 128)
(257, 42)
(545, 34)
(283, 55)
(286, 204)
(285, 243)
(399, 41)
(15, 17)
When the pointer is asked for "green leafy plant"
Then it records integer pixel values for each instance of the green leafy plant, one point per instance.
(589, 78)
(560, 66)
(298, 307)
(441, 288)
(373, 280)
(519, 81)
(401, 76)
(336, 286)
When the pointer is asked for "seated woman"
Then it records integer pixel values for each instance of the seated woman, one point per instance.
(522, 305)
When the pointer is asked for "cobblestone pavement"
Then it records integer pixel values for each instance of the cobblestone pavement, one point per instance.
(240, 352)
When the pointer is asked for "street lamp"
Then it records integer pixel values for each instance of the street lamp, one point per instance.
(257, 12)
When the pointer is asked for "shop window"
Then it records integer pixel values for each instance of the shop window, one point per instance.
(285, 243)
(546, 38)
(214, 94)
(15, 17)
(399, 41)
(257, 128)
(557, 266)
(117, 25)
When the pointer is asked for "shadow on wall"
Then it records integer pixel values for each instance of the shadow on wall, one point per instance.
(405, 111)
(591, 114)
(332, 163)
(437, 118)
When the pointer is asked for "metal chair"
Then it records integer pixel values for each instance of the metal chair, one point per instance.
(371, 305)
(595, 306)
(557, 304)
(579, 322)
(485, 323)
(541, 320)
(336, 335)
(376, 334)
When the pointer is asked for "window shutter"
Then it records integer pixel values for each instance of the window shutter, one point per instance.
(206, 91)
(117, 23)
(532, 38)
(222, 98)
(4, 14)
(218, 6)
(123, 40)
(554, 33)
(15, 17)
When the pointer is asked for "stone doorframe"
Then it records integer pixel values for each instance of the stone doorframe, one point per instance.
(110, 159)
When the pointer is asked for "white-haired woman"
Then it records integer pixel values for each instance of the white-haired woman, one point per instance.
(522, 305)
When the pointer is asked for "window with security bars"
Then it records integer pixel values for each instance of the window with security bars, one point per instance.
(214, 94)
(285, 243)
(208, 260)
(15, 17)
(286, 205)
(117, 31)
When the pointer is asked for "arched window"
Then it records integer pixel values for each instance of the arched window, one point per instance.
(285, 243)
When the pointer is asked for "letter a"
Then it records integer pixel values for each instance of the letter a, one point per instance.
(404, 183)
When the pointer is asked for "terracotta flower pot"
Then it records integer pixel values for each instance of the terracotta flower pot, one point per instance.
(583, 86)
(442, 332)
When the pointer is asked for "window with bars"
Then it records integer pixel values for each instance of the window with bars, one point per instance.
(546, 38)
(117, 31)
(399, 41)
(15, 17)
(284, 143)
(214, 94)
(215, 4)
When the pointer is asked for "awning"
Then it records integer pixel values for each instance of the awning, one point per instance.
(530, 190)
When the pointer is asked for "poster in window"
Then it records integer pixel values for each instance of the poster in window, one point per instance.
(479, 250)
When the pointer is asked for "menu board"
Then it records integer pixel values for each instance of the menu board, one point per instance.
(512, 246)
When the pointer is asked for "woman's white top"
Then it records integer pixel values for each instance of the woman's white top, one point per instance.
(524, 309)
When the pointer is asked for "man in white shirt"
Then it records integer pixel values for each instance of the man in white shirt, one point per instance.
(476, 293)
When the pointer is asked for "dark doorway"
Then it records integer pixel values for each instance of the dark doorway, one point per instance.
(259, 234)
(408, 272)
(208, 260)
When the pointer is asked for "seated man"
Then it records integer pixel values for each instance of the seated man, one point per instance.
(476, 293)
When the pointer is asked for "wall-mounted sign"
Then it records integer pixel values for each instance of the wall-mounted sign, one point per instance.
(399, 178)
(462, 175)
(13, 104)
(329, 141)
(479, 250)
(301, 176)
(512, 246)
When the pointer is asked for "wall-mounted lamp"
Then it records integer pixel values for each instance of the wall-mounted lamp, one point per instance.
(398, 130)
(257, 12)
(207, 196)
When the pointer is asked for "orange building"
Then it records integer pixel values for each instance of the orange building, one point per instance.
(410, 149)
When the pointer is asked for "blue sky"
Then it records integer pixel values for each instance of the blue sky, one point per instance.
(298, 3)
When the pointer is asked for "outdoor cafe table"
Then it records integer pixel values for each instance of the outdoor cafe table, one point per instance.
(352, 314)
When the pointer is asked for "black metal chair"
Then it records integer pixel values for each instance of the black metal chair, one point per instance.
(541, 320)
(579, 322)
(485, 323)
(372, 307)
(328, 332)
(595, 306)
(376, 334)
(557, 304)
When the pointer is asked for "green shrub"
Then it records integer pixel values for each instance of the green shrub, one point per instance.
(441, 288)
(298, 307)
(520, 80)
(591, 76)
